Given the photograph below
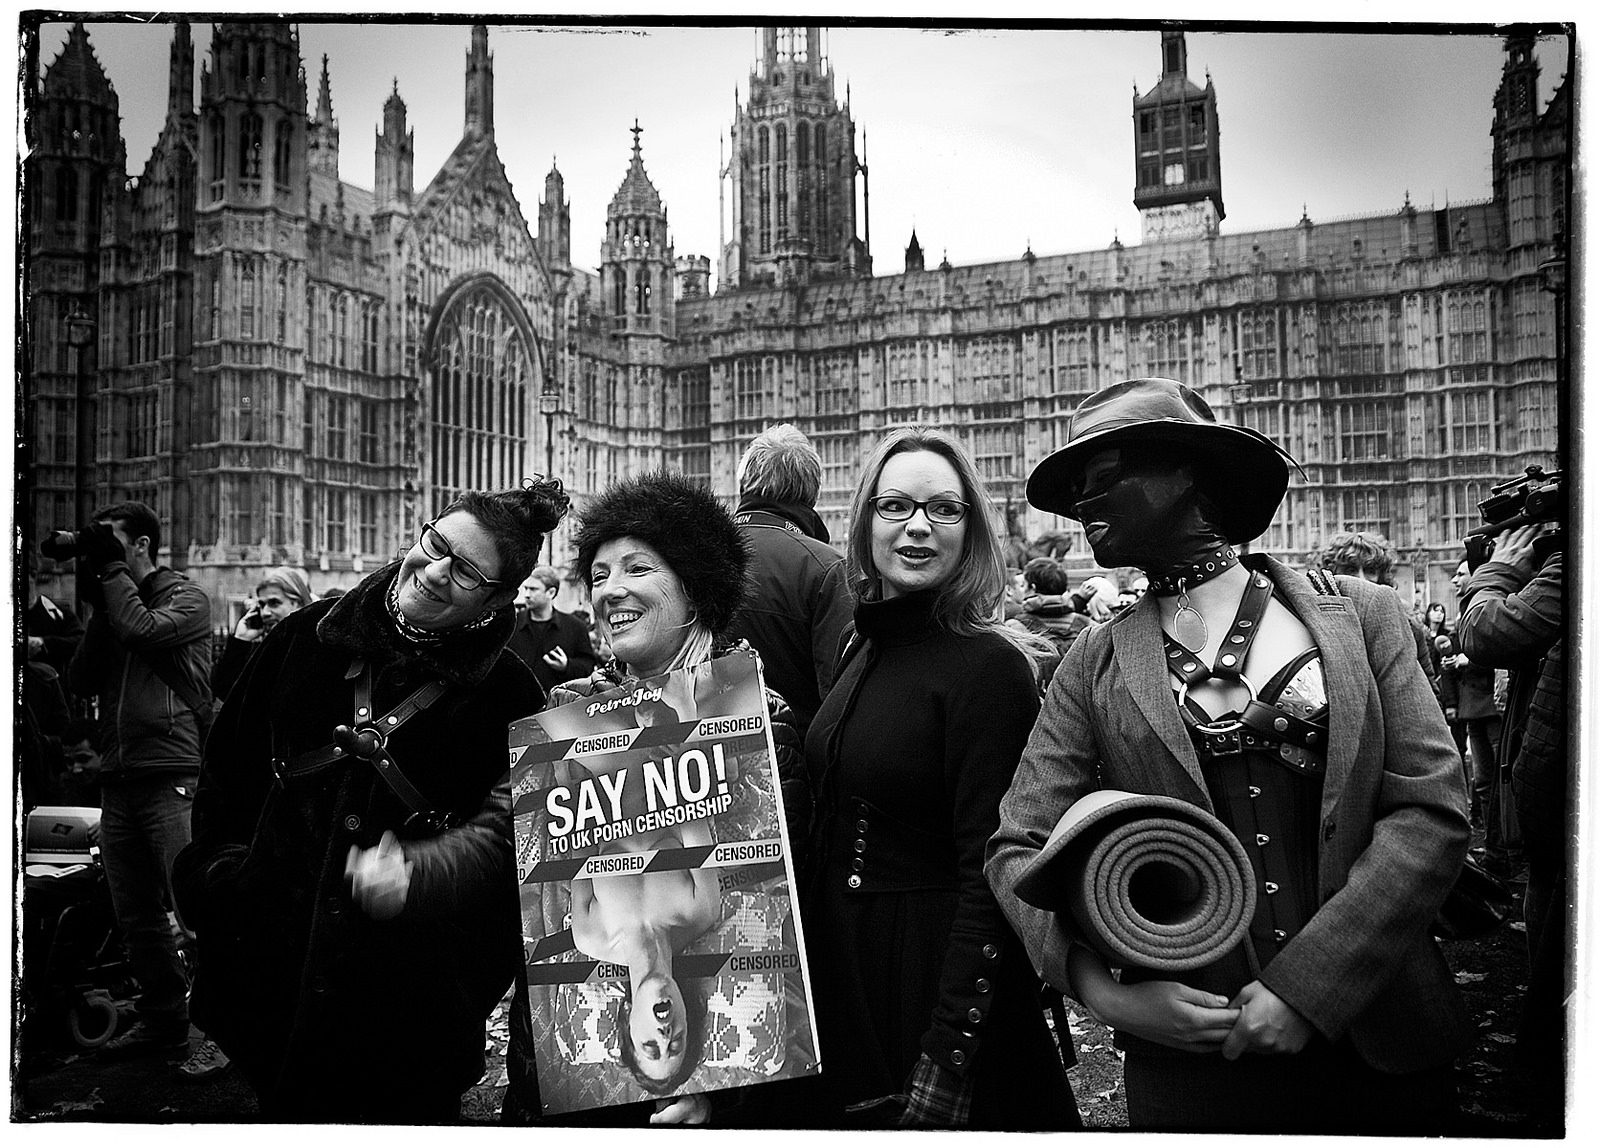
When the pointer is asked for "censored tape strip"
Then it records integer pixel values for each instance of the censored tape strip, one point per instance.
(532, 800)
(683, 965)
(721, 856)
(635, 737)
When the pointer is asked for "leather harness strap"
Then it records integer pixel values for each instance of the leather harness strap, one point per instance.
(366, 739)
(1259, 724)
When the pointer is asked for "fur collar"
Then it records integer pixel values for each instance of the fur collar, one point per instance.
(359, 622)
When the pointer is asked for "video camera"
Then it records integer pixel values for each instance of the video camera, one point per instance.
(1533, 496)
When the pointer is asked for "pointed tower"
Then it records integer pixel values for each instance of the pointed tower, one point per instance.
(75, 156)
(322, 133)
(393, 160)
(555, 224)
(1177, 153)
(180, 74)
(480, 85)
(793, 171)
(914, 257)
(1529, 187)
(250, 316)
(636, 263)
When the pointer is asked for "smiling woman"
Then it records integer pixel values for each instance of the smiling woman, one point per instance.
(342, 881)
(926, 1003)
(665, 565)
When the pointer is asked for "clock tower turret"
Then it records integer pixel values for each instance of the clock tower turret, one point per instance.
(1177, 152)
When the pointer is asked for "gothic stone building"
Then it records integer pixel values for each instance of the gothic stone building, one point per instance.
(295, 369)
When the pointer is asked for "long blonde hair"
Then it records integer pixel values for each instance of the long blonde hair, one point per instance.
(970, 601)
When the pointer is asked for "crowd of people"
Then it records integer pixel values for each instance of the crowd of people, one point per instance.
(309, 851)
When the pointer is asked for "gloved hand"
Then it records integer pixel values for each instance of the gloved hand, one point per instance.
(100, 547)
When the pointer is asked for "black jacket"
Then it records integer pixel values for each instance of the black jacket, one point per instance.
(330, 1014)
(909, 952)
(164, 621)
(532, 640)
(798, 603)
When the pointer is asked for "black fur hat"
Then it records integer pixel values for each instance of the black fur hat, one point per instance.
(686, 525)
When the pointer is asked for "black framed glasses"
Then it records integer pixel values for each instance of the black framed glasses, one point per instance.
(898, 508)
(462, 572)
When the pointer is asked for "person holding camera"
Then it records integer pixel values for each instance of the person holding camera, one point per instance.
(1513, 617)
(146, 654)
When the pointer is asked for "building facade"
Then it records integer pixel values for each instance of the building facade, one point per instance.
(295, 369)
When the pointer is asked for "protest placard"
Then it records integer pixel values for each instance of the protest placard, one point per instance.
(662, 939)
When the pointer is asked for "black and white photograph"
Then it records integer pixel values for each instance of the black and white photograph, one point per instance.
(1138, 452)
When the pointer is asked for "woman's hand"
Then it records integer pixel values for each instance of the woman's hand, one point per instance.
(379, 877)
(1266, 1024)
(1171, 1014)
(1165, 1012)
(691, 1109)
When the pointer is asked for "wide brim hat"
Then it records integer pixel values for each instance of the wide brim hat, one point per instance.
(1246, 472)
(683, 522)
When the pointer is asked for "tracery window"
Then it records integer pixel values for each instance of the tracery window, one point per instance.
(484, 377)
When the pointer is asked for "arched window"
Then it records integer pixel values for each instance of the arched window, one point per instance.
(250, 151)
(764, 191)
(619, 293)
(342, 339)
(280, 156)
(483, 381)
(641, 293)
(66, 194)
(283, 303)
(247, 300)
(819, 154)
(219, 151)
(781, 190)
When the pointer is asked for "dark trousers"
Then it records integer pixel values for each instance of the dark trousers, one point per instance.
(144, 821)
(1321, 1090)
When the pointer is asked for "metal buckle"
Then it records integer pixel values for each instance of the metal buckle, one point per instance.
(1222, 725)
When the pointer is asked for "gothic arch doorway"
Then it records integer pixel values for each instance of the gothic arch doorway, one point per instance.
(484, 365)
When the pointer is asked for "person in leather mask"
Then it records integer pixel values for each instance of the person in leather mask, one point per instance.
(1297, 714)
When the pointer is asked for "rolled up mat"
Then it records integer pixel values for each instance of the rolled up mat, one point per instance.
(1149, 881)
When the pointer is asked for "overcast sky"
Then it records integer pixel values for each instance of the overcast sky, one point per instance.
(986, 141)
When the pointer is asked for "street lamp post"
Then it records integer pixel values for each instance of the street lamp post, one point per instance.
(80, 332)
(549, 402)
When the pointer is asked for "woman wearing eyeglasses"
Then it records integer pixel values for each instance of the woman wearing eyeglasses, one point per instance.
(928, 1012)
(351, 877)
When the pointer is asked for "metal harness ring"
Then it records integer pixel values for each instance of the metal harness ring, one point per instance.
(1222, 725)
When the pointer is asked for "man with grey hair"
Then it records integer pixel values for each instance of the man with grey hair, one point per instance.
(799, 602)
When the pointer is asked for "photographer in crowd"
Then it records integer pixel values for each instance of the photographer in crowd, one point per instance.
(1513, 616)
(147, 655)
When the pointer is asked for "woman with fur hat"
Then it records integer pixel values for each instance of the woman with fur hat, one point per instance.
(928, 1012)
(351, 877)
(1298, 715)
(665, 566)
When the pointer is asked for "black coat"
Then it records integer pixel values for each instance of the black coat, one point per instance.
(799, 603)
(909, 951)
(330, 1014)
(532, 640)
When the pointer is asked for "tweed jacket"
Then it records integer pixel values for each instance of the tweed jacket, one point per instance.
(1394, 826)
